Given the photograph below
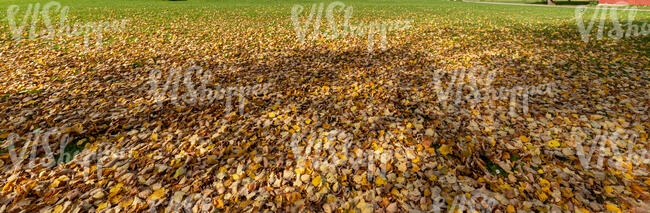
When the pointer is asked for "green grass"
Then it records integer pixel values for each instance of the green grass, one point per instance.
(580, 2)
(158, 17)
(71, 149)
(560, 3)
(203, 10)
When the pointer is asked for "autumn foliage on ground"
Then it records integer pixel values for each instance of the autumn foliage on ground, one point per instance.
(326, 124)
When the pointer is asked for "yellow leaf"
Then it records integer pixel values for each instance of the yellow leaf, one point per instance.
(524, 139)
(126, 203)
(628, 176)
(316, 181)
(553, 144)
(296, 127)
(542, 196)
(78, 128)
(55, 183)
(308, 121)
(415, 168)
(609, 189)
(373, 145)
(595, 117)
(612, 208)
(116, 199)
(380, 181)
(510, 209)
(219, 204)
(444, 149)
(299, 171)
(154, 137)
(57, 208)
(102, 206)
(115, 189)
(416, 160)
(331, 198)
(157, 194)
(272, 115)
(546, 186)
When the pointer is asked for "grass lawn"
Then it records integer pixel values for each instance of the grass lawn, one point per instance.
(544, 2)
(560, 3)
(340, 123)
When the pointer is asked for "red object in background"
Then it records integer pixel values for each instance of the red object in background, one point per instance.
(624, 2)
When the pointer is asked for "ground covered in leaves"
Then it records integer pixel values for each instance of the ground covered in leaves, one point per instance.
(330, 125)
